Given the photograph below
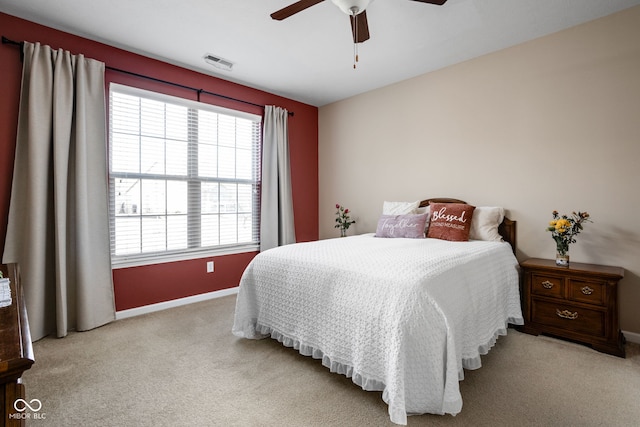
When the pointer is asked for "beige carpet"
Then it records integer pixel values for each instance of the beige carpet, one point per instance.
(183, 367)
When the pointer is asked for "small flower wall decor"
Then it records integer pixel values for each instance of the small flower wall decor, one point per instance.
(343, 221)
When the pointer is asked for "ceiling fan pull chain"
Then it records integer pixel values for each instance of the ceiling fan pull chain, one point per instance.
(355, 54)
(355, 39)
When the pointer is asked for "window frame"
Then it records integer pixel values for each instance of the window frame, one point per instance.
(149, 258)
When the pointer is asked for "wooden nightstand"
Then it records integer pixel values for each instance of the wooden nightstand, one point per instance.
(579, 302)
(16, 353)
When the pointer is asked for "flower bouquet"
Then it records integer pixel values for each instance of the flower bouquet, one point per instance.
(343, 221)
(563, 230)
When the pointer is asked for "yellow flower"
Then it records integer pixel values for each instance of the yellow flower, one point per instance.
(562, 225)
(564, 228)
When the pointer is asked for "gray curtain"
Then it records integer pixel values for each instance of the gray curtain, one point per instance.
(58, 229)
(276, 206)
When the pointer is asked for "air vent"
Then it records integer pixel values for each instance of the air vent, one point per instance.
(218, 62)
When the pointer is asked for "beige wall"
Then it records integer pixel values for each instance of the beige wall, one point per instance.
(549, 124)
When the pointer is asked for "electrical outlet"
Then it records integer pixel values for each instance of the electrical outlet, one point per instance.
(209, 266)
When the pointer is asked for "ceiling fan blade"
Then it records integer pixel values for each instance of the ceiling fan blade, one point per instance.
(436, 2)
(294, 8)
(362, 33)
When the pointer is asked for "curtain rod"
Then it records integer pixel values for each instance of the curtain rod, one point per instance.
(131, 73)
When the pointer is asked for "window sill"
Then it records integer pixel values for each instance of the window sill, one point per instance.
(141, 260)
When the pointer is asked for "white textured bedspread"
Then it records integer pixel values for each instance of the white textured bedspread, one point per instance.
(399, 315)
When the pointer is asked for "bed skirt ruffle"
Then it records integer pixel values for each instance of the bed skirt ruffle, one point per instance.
(258, 331)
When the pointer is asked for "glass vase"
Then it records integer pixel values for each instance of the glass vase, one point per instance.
(343, 232)
(562, 259)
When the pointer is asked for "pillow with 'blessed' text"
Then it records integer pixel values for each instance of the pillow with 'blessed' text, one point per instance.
(450, 221)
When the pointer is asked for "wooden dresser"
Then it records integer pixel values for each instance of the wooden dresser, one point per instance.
(579, 302)
(16, 354)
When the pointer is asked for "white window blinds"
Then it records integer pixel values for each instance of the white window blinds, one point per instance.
(184, 177)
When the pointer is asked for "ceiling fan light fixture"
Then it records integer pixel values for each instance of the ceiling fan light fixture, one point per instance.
(352, 7)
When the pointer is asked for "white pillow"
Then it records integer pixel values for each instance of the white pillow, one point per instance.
(399, 208)
(485, 222)
(424, 210)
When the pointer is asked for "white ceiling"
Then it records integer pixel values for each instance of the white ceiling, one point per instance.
(309, 56)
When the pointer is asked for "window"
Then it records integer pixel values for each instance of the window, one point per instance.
(184, 178)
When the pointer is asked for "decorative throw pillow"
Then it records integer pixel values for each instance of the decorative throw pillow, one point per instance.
(410, 226)
(424, 210)
(399, 208)
(450, 221)
(485, 222)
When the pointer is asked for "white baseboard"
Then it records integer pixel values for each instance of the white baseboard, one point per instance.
(631, 337)
(124, 314)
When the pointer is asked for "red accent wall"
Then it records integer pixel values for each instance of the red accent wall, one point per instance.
(139, 286)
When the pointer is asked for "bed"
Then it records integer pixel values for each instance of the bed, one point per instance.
(404, 316)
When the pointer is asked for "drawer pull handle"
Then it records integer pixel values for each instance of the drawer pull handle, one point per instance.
(566, 314)
(547, 284)
(587, 290)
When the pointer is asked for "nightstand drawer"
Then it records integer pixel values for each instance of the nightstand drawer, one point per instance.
(587, 291)
(547, 285)
(564, 316)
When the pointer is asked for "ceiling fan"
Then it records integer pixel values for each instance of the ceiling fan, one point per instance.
(354, 8)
